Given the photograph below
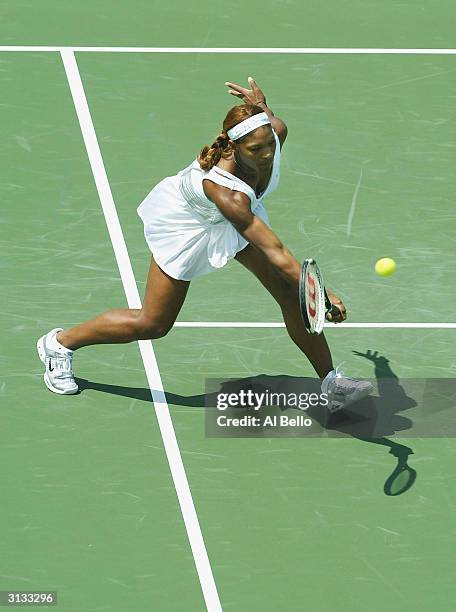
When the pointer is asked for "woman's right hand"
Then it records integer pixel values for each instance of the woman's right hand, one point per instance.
(249, 96)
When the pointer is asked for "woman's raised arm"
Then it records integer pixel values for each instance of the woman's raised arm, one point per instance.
(257, 97)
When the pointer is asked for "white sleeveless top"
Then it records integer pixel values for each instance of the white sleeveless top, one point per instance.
(191, 185)
(186, 232)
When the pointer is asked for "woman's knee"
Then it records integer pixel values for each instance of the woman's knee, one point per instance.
(148, 329)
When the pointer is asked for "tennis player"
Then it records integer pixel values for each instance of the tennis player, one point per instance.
(194, 223)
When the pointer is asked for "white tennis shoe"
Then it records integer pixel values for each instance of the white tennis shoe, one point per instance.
(58, 375)
(343, 390)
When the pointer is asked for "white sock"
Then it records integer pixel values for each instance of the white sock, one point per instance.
(55, 345)
(327, 378)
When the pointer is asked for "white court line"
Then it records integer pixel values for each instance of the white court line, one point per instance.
(306, 50)
(150, 363)
(336, 325)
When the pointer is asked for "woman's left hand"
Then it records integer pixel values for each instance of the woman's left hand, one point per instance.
(248, 96)
(336, 301)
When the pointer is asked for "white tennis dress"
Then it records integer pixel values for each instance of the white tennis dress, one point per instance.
(186, 232)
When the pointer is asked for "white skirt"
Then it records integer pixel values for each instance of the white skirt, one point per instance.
(183, 243)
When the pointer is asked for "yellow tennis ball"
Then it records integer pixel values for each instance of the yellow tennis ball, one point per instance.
(385, 266)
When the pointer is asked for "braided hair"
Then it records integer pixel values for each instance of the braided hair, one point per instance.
(211, 155)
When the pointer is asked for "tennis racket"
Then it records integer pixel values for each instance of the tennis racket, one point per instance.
(313, 299)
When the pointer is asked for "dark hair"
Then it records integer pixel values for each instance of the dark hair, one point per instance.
(210, 156)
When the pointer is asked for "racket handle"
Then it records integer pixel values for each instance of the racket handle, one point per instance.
(334, 310)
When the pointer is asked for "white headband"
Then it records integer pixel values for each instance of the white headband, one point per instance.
(248, 125)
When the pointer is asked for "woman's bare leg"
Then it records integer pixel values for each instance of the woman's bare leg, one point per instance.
(162, 302)
(314, 347)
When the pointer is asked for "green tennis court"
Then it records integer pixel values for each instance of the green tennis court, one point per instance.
(98, 501)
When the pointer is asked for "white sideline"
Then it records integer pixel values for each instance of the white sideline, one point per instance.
(184, 495)
(336, 325)
(307, 50)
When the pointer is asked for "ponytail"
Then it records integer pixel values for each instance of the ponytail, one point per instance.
(210, 156)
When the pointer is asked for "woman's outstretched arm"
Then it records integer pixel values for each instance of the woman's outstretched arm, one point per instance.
(235, 206)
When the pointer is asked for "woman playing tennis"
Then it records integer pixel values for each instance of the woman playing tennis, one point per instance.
(194, 223)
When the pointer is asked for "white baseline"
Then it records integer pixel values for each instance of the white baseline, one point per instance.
(336, 325)
(148, 356)
(308, 50)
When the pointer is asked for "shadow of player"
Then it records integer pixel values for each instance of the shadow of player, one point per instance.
(369, 420)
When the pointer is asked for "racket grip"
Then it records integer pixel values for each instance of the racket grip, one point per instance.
(332, 308)
(335, 310)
